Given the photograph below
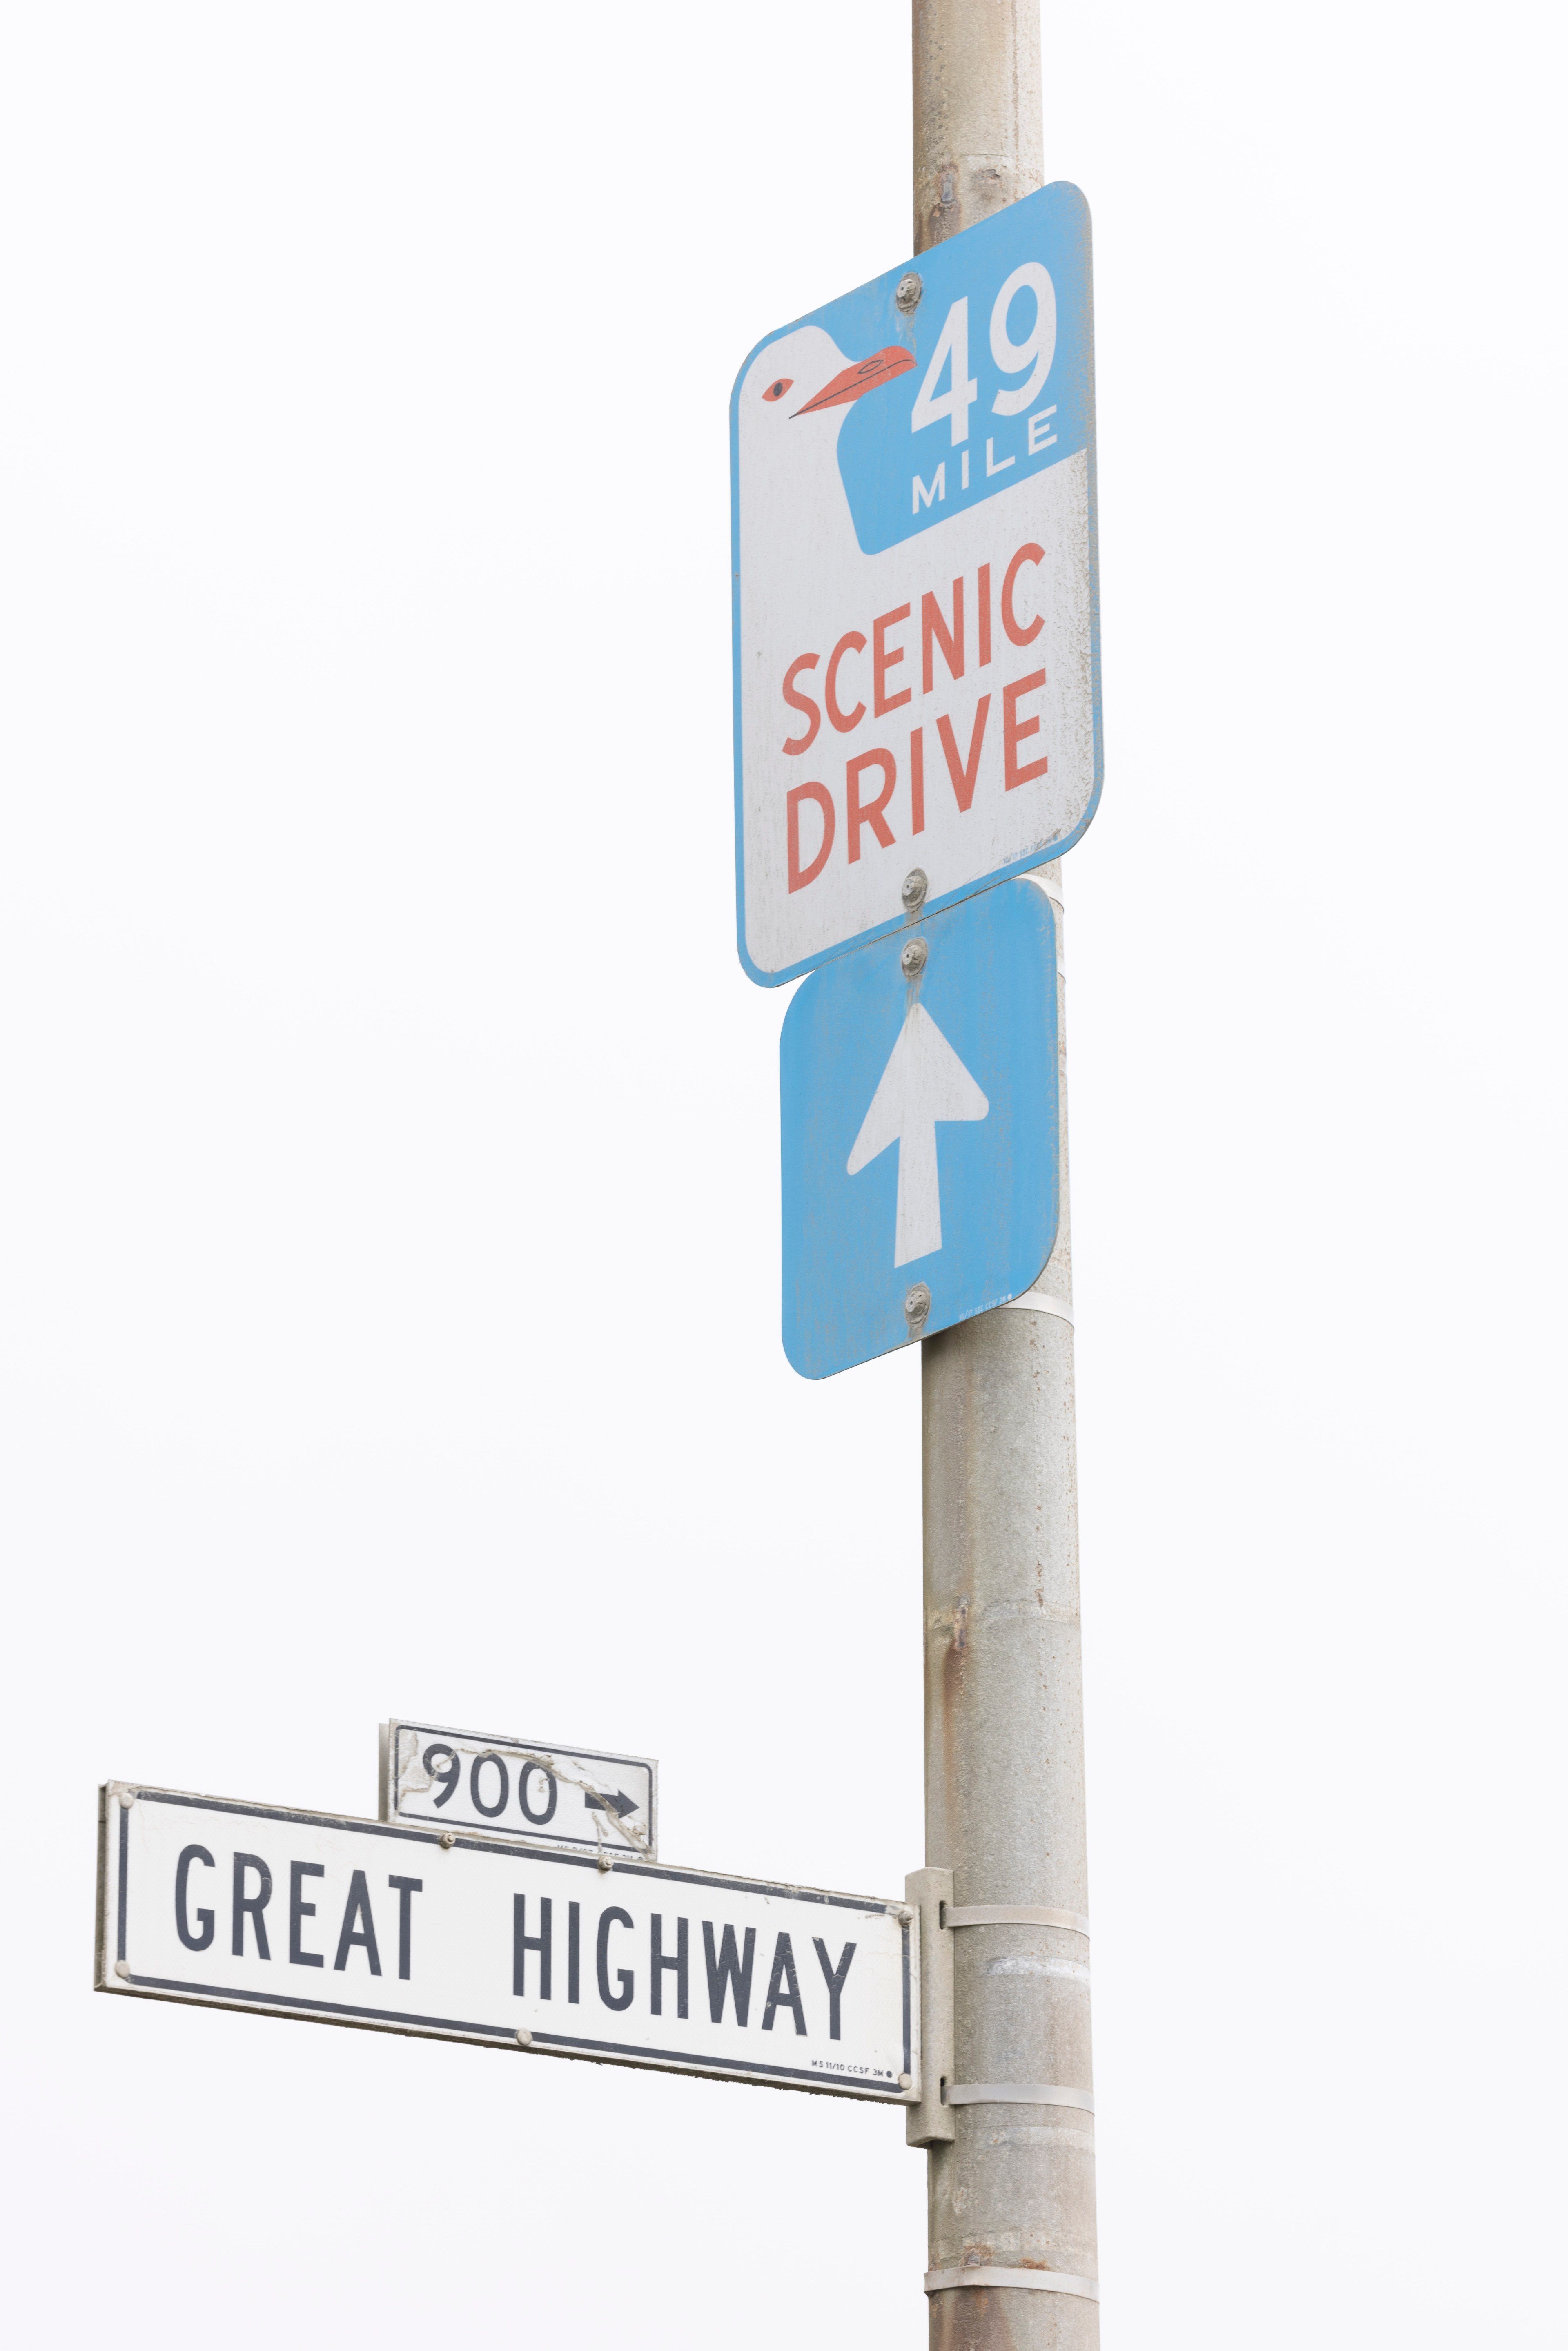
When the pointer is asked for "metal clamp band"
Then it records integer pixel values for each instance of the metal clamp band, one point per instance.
(1041, 2281)
(1040, 1301)
(1017, 2094)
(1052, 889)
(1013, 1914)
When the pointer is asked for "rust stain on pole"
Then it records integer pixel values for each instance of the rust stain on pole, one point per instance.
(953, 1656)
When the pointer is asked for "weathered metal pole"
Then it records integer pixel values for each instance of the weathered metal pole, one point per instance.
(980, 142)
(1012, 2191)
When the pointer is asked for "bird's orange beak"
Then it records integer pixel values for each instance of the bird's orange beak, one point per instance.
(881, 368)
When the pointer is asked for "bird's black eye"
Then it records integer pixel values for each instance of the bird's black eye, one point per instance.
(776, 390)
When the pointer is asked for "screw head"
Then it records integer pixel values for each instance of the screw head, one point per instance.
(917, 1306)
(447, 1840)
(605, 1861)
(128, 1797)
(909, 287)
(913, 894)
(525, 2038)
(905, 2081)
(123, 1968)
(912, 962)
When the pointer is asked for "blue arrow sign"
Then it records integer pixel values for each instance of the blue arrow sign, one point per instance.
(918, 1078)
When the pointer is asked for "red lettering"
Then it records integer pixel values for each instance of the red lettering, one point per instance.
(1013, 733)
(918, 780)
(803, 703)
(985, 616)
(933, 628)
(798, 875)
(881, 661)
(965, 774)
(853, 643)
(1030, 554)
(855, 816)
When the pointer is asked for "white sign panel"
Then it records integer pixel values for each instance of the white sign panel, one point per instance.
(532, 1789)
(915, 600)
(385, 1925)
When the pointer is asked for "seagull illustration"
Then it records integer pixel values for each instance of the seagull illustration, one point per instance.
(805, 583)
(796, 396)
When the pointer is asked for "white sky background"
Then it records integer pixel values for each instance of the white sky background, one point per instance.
(390, 1318)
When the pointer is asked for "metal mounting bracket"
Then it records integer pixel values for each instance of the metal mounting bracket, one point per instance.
(930, 2117)
(1015, 1914)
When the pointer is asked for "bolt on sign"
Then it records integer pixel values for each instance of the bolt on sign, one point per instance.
(920, 1130)
(914, 583)
(519, 1788)
(414, 1929)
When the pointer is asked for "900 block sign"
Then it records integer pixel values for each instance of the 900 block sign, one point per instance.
(417, 1931)
(524, 1788)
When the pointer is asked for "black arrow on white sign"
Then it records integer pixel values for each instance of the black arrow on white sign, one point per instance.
(620, 1805)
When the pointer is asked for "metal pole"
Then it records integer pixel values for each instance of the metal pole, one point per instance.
(1011, 2192)
(980, 142)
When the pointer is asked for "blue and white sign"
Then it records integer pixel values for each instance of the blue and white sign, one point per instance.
(916, 631)
(921, 1129)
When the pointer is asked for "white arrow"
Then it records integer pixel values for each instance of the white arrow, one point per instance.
(924, 1080)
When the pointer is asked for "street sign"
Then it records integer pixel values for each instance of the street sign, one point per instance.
(919, 1083)
(522, 1788)
(915, 599)
(467, 1938)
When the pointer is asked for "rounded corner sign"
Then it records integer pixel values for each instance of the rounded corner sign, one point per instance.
(914, 586)
(920, 1130)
